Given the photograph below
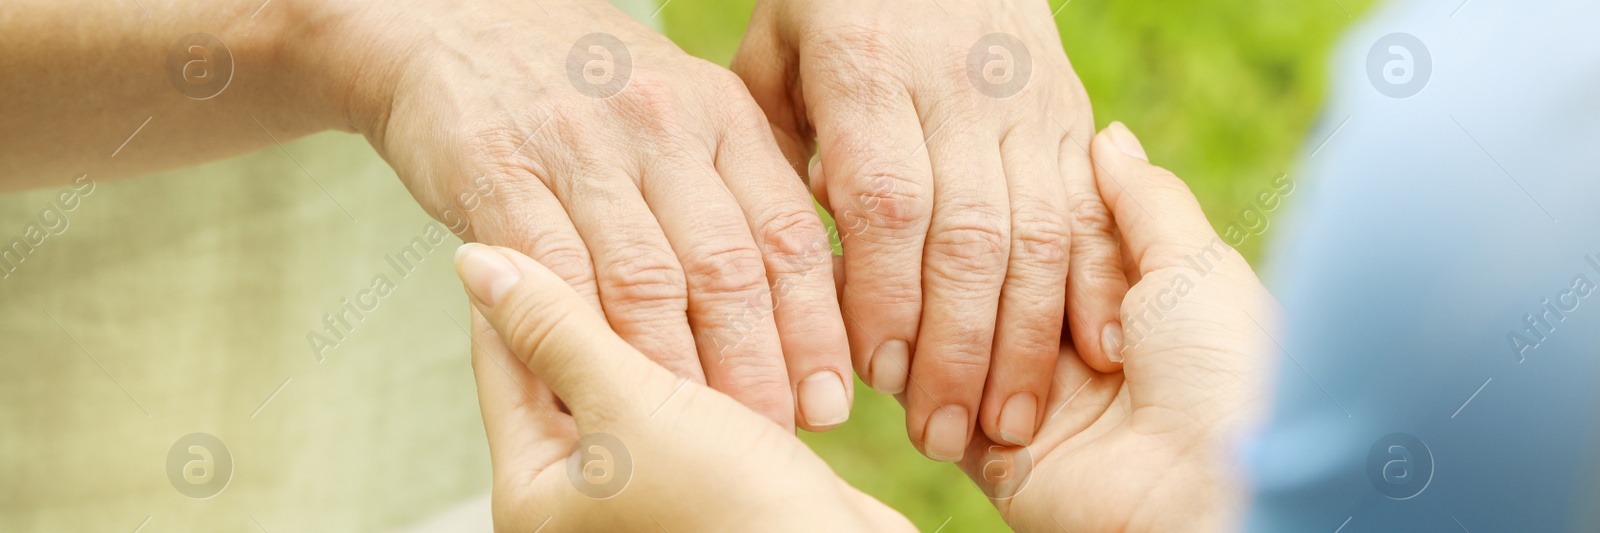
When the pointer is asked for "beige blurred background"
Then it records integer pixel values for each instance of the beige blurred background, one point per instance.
(191, 294)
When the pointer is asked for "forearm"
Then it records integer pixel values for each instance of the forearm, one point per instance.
(105, 89)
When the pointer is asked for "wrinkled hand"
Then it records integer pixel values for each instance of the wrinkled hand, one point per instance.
(646, 178)
(643, 450)
(953, 137)
(1146, 449)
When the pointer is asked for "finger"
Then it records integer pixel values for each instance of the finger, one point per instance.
(729, 298)
(642, 288)
(799, 264)
(880, 188)
(1182, 261)
(764, 67)
(964, 269)
(1135, 190)
(1033, 297)
(525, 430)
(528, 218)
(838, 274)
(1096, 280)
(817, 182)
(553, 332)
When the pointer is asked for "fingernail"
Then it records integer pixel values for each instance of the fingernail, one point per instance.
(1016, 418)
(1125, 141)
(945, 438)
(486, 273)
(823, 400)
(814, 169)
(1111, 341)
(890, 363)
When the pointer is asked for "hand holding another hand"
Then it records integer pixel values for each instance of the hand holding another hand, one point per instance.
(1147, 448)
(1143, 449)
(690, 458)
(953, 155)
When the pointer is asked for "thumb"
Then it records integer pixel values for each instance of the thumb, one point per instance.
(1160, 220)
(549, 327)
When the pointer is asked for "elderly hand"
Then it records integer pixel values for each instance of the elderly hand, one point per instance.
(646, 178)
(643, 449)
(952, 136)
(1146, 449)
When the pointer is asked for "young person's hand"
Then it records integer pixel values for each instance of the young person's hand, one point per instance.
(953, 141)
(1146, 449)
(643, 450)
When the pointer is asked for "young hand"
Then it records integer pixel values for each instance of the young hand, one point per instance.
(643, 449)
(1146, 449)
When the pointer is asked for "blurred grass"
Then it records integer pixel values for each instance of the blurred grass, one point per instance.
(1222, 93)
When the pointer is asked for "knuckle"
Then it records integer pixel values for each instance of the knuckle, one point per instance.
(1090, 215)
(884, 197)
(1101, 264)
(728, 90)
(1038, 335)
(570, 261)
(965, 355)
(970, 249)
(649, 99)
(727, 99)
(757, 379)
(644, 277)
(725, 269)
(863, 298)
(796, 239)
(1039, 235)
(512, 151)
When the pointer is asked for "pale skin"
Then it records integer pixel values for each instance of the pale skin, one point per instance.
(970, 221)
(672, 205)
(1148, 448)
(1141, 449)
(953, 136)
(683, 457)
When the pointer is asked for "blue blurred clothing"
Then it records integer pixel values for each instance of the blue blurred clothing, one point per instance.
(1438, 277)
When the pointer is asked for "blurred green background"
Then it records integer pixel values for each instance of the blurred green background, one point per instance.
(1223, 93)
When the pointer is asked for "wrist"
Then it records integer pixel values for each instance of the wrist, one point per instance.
(329, 66)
